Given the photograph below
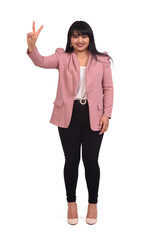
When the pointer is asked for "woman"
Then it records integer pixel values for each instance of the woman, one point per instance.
(82, 108)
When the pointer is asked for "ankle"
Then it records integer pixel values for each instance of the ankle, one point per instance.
(72, 203)
(92, 205)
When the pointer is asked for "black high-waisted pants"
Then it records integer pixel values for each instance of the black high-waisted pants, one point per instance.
(77, 133)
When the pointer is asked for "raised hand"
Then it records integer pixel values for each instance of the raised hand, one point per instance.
(32, 37)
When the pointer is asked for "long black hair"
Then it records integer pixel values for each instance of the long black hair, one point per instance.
(83, 28)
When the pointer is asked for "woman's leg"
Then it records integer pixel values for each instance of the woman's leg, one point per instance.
(71, 142)
(91, 142)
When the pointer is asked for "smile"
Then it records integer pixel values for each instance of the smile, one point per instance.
(80, 45)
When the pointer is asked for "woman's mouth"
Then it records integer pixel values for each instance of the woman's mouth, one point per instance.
(80, 45)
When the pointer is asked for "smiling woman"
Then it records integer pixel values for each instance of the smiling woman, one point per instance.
(82, 108)
(81, 39)
(80, 43)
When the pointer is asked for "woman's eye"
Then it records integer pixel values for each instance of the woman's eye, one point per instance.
(84, 36)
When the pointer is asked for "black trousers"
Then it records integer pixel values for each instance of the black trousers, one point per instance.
(77, 133)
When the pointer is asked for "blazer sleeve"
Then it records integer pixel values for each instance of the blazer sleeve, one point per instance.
(51, 61)
(107, 85)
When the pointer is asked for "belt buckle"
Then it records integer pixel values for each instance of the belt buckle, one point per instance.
(84, 101)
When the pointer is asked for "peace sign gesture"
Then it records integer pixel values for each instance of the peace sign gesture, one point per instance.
(32, 37)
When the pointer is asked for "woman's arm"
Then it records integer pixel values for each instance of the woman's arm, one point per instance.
(50, 61)
(107, 85)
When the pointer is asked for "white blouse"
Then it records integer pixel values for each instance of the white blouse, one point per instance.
(82, 85)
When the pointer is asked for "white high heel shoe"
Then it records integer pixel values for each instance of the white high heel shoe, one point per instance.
(91, 220)
(72, 221)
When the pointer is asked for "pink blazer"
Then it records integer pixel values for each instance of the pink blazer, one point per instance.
(99, 85)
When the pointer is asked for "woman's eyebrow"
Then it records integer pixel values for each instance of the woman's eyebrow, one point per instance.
(80, 34)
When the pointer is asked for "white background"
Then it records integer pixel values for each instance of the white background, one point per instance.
(32, 193)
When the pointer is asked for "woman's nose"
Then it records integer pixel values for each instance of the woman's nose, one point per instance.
(80, 39)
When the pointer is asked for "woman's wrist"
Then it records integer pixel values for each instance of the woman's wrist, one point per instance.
(30, 50)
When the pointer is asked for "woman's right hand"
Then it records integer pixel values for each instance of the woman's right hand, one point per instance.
(32, 37)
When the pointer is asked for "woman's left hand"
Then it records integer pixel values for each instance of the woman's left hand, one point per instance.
(104, 123)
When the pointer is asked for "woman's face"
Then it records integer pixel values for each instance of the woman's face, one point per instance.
(79, 43)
